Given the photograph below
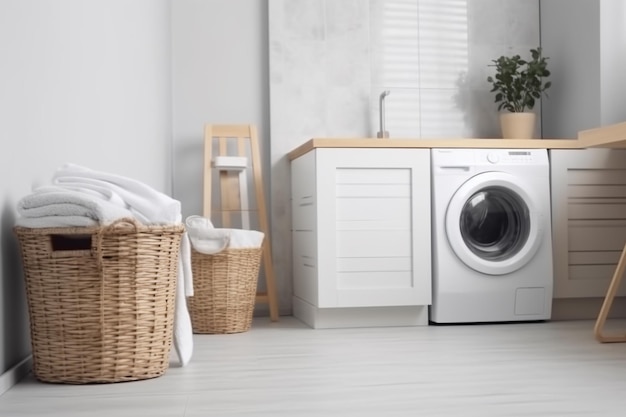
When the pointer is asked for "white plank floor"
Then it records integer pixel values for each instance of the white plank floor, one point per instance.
(288, 369)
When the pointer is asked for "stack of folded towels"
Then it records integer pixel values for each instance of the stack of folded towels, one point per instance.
(79, 196)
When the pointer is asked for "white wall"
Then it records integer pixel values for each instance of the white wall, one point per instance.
(587, 50)
(572, 42)
(219, 76)
(80, 81)
(613, 61)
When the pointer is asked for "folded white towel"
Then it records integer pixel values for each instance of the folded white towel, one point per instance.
(145, 202)
(55, 221)
(95, 190)
(70, 203)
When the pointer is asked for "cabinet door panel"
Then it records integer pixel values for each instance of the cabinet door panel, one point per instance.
(380, 297)
(374, 280)
(374, 190)
(373, 213)
(373, 243)
(372, 173)
(595, 257)
(590, 272)
(372, 240)
(597, 210)
(596, 238)
(377, 264)
(588, 219)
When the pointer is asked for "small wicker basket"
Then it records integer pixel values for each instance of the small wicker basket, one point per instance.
(101, 300)
(225, 286)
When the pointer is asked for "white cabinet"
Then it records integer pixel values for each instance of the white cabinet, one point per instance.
(361, 236)
(588, 219)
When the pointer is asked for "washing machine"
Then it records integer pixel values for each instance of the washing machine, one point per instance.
(491, 231)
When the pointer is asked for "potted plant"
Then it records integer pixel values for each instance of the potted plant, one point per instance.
(518, 83)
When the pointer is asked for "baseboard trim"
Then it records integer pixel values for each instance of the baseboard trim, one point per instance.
(339, 318)
(585, 308)
(15, 374)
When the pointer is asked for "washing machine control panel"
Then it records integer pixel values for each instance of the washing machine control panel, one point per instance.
(510, 156)
(467, 157)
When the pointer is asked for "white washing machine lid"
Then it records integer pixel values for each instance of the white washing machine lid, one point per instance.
(494, 224)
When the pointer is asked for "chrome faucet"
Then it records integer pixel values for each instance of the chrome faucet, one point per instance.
(382, 133)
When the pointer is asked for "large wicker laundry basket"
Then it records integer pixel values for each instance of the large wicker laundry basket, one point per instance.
(101, 300)
(225, 286)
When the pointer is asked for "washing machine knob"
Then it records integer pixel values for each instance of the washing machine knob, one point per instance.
(492, 157)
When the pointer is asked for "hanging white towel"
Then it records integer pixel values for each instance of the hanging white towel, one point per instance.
(183, 330)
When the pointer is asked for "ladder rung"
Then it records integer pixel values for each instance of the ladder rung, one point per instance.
(230, 163)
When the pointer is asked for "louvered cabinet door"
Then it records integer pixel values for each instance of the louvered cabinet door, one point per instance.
(361, 227)
(588, 219)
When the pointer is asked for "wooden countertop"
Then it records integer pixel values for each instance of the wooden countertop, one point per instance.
(612, 136)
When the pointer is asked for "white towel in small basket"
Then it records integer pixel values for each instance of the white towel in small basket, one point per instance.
(208, 240)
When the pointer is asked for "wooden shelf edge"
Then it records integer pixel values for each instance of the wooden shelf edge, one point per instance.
(434, 143)
(611, 136)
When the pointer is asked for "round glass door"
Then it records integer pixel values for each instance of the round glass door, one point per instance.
(493, 224)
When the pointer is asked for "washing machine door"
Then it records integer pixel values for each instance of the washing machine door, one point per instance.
(494, 224)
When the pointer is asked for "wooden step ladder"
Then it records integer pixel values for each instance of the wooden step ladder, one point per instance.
(228, 151)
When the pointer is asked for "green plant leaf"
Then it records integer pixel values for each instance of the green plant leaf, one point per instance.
(519, 82)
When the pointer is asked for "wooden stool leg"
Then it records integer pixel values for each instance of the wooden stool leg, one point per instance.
(608, 301)
(268, 267)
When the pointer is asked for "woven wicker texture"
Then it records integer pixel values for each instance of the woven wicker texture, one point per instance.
(101, 300)
(225, 287)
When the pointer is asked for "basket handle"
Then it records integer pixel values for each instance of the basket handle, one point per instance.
(69, 245)
(124, 222)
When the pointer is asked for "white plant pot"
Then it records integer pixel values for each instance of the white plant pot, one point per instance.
(517, 125)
